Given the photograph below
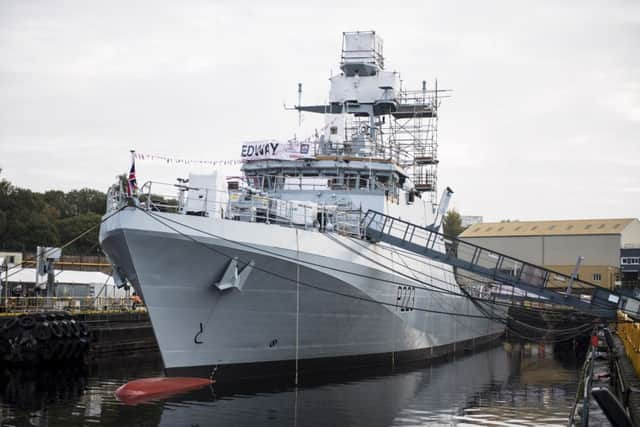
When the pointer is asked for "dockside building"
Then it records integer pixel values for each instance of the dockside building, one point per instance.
(558, 244)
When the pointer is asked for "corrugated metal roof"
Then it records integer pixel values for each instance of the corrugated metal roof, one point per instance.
(548, 228)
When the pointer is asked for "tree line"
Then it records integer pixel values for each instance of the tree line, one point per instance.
(53, 218)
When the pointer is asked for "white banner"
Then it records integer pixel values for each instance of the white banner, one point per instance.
(274, 150)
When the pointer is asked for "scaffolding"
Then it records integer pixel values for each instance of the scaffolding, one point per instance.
(381, 120)
(413, 135)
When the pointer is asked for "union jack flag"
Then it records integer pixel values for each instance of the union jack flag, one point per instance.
(132, 182)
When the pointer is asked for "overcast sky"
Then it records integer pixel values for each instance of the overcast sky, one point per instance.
(544, 122)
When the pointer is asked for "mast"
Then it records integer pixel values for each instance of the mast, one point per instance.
(371, 115)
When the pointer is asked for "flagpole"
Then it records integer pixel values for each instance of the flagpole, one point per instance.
(131, 187)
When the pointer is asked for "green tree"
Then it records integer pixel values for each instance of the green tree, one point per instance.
(452, 224)
(29, 219)
(57, 202)
(86, 200)
(26, 222)
(5, 190)
(71, 227)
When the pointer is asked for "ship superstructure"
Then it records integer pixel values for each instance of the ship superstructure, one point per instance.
(370, 114)
(270, 273)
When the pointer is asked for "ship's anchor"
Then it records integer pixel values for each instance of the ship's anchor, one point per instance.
(196, 339)
(233, 277)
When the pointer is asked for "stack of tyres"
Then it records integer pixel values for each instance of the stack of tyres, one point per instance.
(43, 338)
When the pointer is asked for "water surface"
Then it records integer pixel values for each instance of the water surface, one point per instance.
(508, 385)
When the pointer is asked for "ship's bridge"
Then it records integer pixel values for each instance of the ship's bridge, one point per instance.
(324, 176)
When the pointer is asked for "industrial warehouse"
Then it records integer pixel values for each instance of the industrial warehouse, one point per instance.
(594, 246)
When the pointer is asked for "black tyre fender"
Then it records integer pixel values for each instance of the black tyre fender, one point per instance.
(42, 332)
(70, 347)
(10, 324)
(4, 334)
(73, 349)
(83, 344)
(73, 325)
(84, 330)
(57, 346)
(66, 329)
(56, 329)
(27, 341)
(47, 350)
(26, 321)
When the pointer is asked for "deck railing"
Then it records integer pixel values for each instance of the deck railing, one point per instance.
(243, 204)
(40, 304)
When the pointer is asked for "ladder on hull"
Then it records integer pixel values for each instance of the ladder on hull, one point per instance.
(556, 288)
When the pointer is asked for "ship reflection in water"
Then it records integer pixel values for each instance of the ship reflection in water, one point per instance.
(512, 384)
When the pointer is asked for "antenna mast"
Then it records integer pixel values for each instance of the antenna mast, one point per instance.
(299, 103)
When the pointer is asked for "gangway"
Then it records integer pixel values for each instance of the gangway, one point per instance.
(555, 287)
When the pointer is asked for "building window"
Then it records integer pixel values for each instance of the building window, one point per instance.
(630, 260)
(11, 259)
(597, 277)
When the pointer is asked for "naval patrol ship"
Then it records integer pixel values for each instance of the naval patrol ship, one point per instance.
(271, 274)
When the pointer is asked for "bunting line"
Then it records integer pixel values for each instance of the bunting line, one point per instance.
(172, 160)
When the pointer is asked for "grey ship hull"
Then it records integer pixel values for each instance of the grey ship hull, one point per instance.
(311, 302)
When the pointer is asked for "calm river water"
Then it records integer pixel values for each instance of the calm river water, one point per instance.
(508, 385)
